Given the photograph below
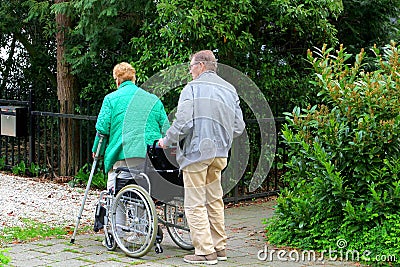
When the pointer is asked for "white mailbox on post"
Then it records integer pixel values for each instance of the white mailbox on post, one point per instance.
(14, 121)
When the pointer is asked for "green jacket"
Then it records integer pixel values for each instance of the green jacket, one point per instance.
(131, 118)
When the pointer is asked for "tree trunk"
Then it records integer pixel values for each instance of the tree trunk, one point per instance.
(66, 92)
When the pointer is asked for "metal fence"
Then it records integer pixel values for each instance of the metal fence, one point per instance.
(41, 148)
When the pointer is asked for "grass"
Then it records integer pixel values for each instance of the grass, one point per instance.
(33, 231)
(4, 258)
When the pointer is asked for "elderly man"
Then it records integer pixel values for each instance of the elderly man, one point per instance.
(208, 118)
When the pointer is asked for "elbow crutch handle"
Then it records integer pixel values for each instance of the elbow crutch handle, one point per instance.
(99, 145)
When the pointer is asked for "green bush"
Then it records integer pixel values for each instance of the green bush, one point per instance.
(19, 169)
(4, 258)
(99, 179)
(342, 179)
(2, 163)
(33, 170)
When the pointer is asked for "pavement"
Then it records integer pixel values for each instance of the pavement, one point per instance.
(246, 247)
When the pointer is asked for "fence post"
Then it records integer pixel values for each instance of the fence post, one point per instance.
(32, 140)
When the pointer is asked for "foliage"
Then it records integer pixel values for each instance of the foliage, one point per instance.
(254, 37)
(364, 23)
(99, 179)
(33, 169)
(4, 259)
(309, 22)
(284, 85)
(164, 33)
(99, 39)
(2, 162)
(183, 27)
(18, 169)
(21, 169)
(343, 169)
(266, 40)
(27, 44)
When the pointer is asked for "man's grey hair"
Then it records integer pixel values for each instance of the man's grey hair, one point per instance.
(207, 57)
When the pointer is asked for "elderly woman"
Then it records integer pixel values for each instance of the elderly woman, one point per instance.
(131, 118)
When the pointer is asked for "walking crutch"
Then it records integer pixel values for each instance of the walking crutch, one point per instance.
(96, 156)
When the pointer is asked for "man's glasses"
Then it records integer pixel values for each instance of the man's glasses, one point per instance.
(191, 65)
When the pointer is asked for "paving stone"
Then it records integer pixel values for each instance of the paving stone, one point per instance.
(27, 255)
(70, 262)
(62, 256)
(29, 262)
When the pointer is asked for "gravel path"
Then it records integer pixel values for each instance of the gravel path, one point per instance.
(47, 202)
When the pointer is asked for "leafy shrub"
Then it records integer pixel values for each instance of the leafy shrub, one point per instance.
(4, 259)
(19, 169)
(22, 169)
(33, 169)
(2, 163)
(344, 161)
(82, 177)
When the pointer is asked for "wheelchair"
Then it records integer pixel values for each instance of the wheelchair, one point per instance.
(130, 217)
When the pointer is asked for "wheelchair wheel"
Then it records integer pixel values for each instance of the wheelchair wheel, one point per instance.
(177, 226)
(134, 221)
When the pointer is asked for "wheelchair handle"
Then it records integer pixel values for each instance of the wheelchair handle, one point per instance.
(155, 144)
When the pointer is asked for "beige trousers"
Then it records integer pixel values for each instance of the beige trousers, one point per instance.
(204, 206)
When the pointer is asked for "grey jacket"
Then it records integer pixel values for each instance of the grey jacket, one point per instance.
(208, 117)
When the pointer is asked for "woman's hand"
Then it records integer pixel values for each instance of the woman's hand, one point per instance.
(161, 143)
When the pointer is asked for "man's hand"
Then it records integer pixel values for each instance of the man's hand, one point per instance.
(161, 143)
